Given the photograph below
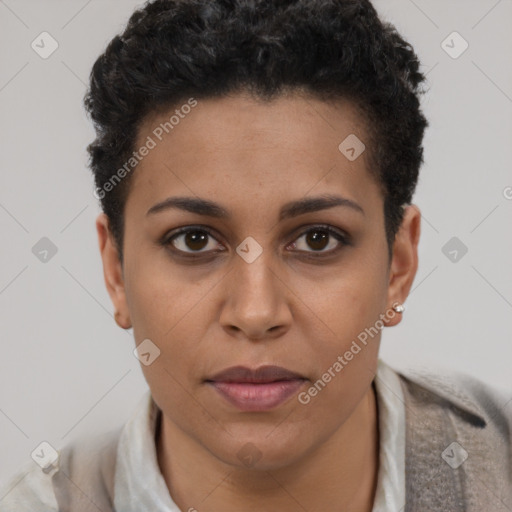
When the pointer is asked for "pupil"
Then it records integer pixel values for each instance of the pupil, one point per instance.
(196, 239)
(316, 241)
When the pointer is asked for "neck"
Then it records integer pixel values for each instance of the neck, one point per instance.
(339, 474)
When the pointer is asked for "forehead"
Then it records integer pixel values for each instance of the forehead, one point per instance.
(243, 148)
(294, 120)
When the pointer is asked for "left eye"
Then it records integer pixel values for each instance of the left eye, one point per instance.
(319, 238)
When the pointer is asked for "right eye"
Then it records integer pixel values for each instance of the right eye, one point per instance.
(191, 240)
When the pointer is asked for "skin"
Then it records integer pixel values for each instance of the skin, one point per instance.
(283, 308)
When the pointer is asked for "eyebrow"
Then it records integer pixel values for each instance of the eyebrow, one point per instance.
(292, 209)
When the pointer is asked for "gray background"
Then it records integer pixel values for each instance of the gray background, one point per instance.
(67, 369)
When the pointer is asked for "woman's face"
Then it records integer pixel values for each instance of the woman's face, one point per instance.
(264, 284)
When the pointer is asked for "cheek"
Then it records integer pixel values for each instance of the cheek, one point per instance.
(163, 308)
(167, 319)
(160, 295)
(342, 319)
(344, 359)
(348, 301)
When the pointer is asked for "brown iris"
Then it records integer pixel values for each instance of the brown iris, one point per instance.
(196, 240)
(316, 239)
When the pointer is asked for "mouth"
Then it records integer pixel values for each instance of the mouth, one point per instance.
(261, 389)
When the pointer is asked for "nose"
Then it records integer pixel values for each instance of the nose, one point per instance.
(257, 301)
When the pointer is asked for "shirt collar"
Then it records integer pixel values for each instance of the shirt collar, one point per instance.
(139, 484)
(390, 493)
(449, 386)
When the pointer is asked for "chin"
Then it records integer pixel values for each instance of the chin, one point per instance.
(265, 452)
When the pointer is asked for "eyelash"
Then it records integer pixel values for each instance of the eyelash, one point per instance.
(339, 236)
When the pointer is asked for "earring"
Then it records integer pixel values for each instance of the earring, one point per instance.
(398, 308)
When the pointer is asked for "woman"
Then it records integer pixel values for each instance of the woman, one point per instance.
(255, 163)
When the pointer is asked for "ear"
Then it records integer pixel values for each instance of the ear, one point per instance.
(112, 271)
(404, 262)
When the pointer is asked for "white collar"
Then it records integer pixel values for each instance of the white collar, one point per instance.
(390, 494)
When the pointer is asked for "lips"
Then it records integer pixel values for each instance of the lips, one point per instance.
(263, 374)
(261, 389)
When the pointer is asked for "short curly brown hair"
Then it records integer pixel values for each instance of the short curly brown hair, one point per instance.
(176, 49)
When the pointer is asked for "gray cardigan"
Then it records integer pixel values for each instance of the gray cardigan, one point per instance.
(442, 410)
(458, 453)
